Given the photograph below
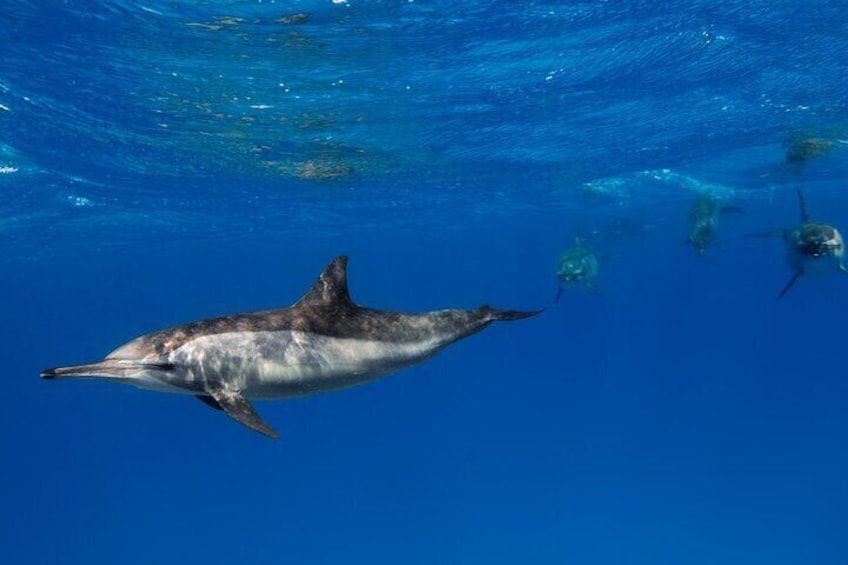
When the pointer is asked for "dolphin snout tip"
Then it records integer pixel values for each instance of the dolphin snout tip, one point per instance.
(59, 373)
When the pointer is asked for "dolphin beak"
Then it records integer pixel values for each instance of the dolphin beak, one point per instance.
(76, 371)
(105, 368)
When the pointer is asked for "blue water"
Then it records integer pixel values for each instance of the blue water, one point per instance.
(169, 161)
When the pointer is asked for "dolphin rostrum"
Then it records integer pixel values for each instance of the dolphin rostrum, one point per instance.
(321, 343)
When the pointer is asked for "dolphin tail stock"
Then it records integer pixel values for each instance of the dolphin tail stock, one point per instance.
(496, 315)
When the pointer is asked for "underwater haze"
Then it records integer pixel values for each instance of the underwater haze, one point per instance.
(169, 161)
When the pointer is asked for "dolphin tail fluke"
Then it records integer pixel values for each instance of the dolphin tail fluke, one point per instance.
(495, 315)
(238, 408)
(790, 284)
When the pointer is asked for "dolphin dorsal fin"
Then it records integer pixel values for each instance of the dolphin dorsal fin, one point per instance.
(805, 217)
(330, 289)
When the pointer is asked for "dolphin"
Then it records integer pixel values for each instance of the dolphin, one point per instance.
(811, 247)
(321, 343)
(704, 218)
(577, 266)
(802, 148)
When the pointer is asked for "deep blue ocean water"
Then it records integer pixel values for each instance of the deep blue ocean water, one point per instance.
(162, 162)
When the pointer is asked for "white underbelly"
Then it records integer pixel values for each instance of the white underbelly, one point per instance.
(290, 363)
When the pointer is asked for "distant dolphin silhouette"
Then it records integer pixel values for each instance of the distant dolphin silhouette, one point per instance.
(321, 343)
(704, 218)
(577, 266)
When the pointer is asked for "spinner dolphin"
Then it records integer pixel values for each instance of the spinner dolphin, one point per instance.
(577, 265)
(811, 247)
(704, 219)
(323, 342)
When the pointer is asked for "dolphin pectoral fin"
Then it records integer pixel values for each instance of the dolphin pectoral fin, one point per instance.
(238, 408)
(209, 401)
(790, 284)
(594, 290)
(842, 269)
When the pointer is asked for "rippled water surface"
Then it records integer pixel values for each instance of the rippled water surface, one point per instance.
(128, 122)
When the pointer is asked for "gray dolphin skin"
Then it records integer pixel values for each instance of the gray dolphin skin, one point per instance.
(323, 342)
(811, 247)
(577, 266)
(704, 219)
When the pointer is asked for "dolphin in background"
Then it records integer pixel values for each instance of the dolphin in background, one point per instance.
(323, 342)
(704, 219)
(801, 148)
(577, 265)
(811, 247)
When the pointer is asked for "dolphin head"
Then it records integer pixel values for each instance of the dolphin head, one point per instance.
(571, 270)
(136, 362)
(819, 240)
(150, 374)
(577, 265)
